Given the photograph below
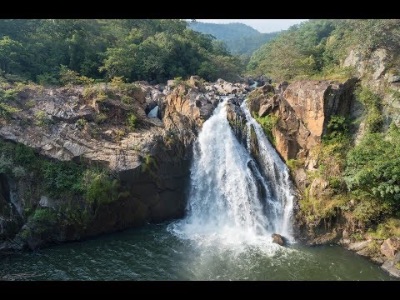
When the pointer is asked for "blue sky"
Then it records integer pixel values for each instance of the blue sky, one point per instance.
(262, 25)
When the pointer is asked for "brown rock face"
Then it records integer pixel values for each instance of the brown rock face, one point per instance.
(307, 110)
(150, 158)
(390, 247)
(303, 109)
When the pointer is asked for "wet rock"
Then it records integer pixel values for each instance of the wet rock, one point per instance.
(324, 239)
(278, 239)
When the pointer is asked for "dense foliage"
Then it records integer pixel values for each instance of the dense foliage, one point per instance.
(152, 50)
(316, 47)
(239, 38)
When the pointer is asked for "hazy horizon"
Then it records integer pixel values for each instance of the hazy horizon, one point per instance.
(262, 25)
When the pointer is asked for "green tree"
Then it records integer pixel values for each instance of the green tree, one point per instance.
(9, 50)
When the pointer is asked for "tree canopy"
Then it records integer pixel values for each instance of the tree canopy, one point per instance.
(137, 49)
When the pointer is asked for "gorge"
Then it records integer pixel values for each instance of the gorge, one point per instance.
(118, 163)
(237, 191)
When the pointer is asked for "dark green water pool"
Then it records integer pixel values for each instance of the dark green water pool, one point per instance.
(154, 253)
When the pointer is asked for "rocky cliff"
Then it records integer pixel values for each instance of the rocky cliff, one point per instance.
(313, 124)
(107, 143)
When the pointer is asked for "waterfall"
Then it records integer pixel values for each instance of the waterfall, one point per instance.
(278, 179)
(232, 199)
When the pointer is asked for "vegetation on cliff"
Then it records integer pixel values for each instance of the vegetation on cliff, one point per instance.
(355, 184)
(316, 48)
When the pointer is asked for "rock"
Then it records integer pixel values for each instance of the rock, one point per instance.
(363, 63)
(46, 202)
(304, 109)
(195, 82)
(357, 246)
(318, 187)
(378, 260)
(278, 239)
(390, 247)
(282, 86)
(393, 78)
(324, 239)
(345, 234)
(378, 62)
(392, 266)
(268, 88)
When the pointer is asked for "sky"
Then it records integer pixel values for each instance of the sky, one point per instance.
(262, 25)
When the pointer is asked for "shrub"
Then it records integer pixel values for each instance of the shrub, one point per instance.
(44, 215)
(337, 129)
(372, 103)
(41, 118)
(131, 121)
(68, 76)
(7, 110)
(373, 166)
(99, 187)
(268, 123)
(100, 118)
(81, 123)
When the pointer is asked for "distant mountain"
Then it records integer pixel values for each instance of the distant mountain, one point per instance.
(238, 37)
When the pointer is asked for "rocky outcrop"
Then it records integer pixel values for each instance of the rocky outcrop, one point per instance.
(109, 127)
(304, 112)
(390, 247)
(303, 109)
(392, 266)
(278, 239)
(379, 72)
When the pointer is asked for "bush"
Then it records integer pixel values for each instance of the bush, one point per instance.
(68, 76)
(100, 118)
(268, 123)
(99, 187)
(337, 129)
(131, 121)
(44, 215)
(7, 110)
(372, 103)
(41, 119)
(62, 178)
(373, 166)
(81, 123)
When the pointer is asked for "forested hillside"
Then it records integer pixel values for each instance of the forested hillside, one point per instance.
(239, 38)
(317, 47)
(151, 50)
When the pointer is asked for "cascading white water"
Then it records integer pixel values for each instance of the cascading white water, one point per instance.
(278, 179)
(231, 200)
